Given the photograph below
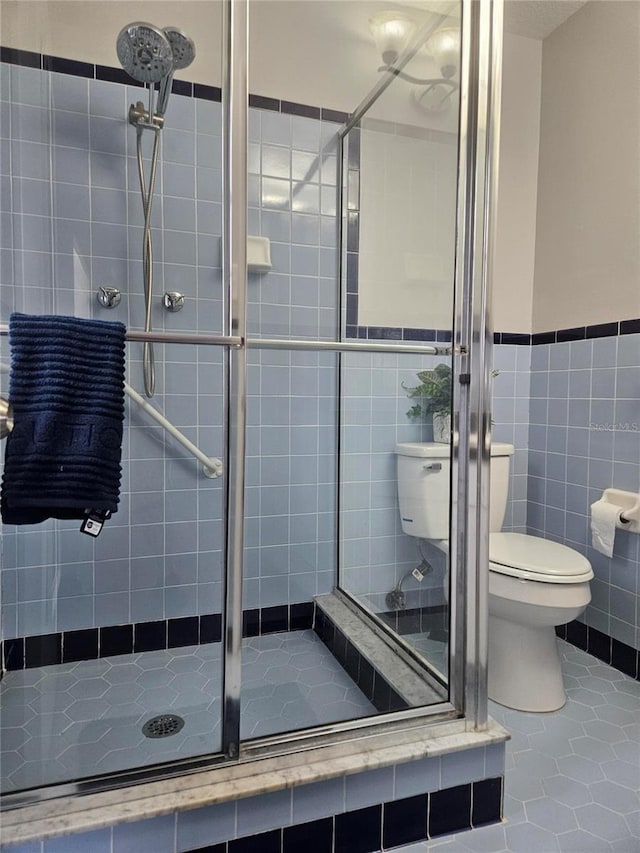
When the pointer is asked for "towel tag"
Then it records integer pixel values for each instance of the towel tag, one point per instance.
(94, 520)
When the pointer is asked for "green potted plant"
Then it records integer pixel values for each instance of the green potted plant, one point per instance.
(433, 397)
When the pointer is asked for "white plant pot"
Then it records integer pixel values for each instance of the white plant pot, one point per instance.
(442, 428)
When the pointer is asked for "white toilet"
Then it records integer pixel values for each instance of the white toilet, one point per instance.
(534, 584)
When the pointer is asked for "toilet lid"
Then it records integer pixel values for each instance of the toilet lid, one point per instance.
(525, 556)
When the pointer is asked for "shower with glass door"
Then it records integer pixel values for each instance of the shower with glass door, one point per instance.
(244, 605)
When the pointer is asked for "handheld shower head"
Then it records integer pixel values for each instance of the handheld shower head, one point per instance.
(144, 52)
(184, 51)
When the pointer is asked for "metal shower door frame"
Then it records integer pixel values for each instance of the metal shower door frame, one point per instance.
(480, 84)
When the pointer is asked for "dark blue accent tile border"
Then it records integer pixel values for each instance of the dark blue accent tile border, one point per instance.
(211, 628)
(405, 821)
(304, 110)
(630, 327)
(487, 797)
(334, 115)
(313, 837)
(517, 338)
(44, 650)
(602, 330)
(607, 649)
(265, 842)
(449, 810)
(418, 620)
(380, 826)
(115, 75)
(115, 640)
(149, 636)
(371, 682)
(207, 93)
(359, 831)
(182, 87)
(262, 103)
(68, 66)
(184, 631)
(543, 338)
(93, 643)
(25, 58)
(577, 333)
(78, 645)
(13, 654)
(60, 65)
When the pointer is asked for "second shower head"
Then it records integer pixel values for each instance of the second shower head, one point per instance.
(184, 51)
(151, 55)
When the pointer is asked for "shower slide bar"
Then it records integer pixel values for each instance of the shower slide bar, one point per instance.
(212, 467)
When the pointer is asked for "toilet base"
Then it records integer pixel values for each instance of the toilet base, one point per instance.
(524, 667)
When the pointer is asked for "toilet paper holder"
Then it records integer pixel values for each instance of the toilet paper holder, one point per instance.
(629, 502)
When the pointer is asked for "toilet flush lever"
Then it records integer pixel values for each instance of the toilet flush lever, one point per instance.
(433, 466)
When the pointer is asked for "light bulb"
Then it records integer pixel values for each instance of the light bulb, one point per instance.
(443, 45)
(392, 31)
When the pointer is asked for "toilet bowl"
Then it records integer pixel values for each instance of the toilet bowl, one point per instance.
(534, 584)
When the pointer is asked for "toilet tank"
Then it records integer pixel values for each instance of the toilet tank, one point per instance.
(423, 487)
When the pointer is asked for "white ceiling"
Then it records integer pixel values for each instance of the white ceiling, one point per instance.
(537, 18)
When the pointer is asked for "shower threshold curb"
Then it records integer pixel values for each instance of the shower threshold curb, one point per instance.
(246, 778)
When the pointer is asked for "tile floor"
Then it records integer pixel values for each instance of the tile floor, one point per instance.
(573, 776)
(72, 720)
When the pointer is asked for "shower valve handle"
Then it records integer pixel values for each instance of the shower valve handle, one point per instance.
(173, 301)
(108, 297)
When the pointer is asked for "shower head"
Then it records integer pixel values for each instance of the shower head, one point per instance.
(184, 51)
(144, 52)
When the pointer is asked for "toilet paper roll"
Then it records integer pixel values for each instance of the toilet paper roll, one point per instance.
(603, 525)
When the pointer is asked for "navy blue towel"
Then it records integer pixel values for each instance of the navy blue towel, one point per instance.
(66, 389)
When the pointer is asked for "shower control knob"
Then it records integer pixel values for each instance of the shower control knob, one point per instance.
(108, 297)
(173, 301)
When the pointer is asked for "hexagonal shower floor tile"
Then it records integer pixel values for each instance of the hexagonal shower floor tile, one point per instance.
(65, 722)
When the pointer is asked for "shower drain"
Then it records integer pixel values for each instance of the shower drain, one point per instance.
(163, 725)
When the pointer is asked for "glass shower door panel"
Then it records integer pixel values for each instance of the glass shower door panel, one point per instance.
(113, 644)
(101, 636)
(292, 678)
(401, 578)
(398, 263)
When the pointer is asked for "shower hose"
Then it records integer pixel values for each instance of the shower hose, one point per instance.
(148, 359)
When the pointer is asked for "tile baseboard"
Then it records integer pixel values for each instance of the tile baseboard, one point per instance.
(619, 655)
(381, 826)
(109, 640)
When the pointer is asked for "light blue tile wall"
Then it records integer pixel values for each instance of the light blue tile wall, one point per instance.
(183, 831)
(71, 221)
(585, 437)
(290, 533)
(511, 389)
(375, 553)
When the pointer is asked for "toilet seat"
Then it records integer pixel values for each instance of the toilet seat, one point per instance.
(533, 558)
